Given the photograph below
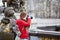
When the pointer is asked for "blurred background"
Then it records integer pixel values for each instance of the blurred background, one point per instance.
(44, 12)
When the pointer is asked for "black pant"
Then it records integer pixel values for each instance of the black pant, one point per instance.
(13, 33)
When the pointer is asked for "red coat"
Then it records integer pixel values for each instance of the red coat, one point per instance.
(22, 25)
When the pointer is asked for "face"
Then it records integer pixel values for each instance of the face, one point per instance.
(23, 15)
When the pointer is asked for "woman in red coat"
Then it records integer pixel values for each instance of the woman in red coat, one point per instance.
(23, 25)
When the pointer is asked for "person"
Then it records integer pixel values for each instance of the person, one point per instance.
(3, 1)
(2, 9)
(8, 22)
(22, 3)
(9, 12)
(23, 25)
(5, 30)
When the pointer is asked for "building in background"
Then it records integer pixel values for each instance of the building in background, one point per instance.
(44, 8)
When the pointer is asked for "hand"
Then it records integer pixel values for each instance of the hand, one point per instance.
(18, 33)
